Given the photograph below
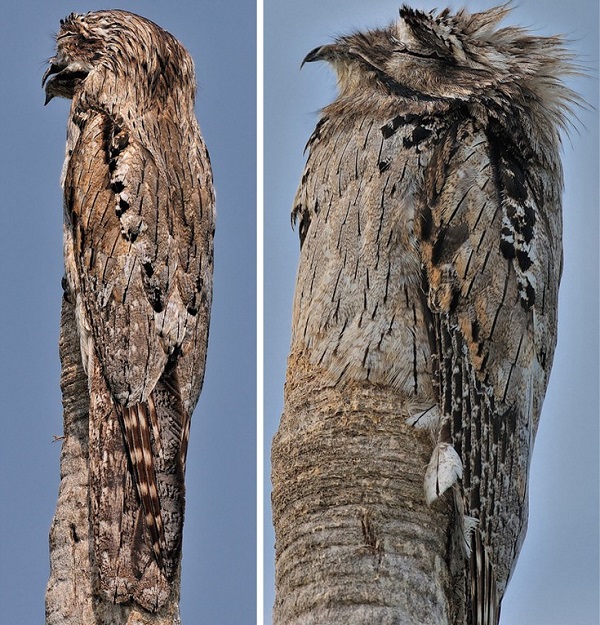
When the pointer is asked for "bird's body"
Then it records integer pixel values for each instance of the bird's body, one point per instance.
(430, 225)
(139, 225)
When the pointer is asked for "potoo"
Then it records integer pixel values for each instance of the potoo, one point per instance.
(430, 226)
(138, 244)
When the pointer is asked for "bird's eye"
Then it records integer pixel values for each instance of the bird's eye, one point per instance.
(421, 55)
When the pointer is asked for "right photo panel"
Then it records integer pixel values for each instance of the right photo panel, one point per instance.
(430, 312)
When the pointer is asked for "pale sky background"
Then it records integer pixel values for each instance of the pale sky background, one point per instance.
(219, 553)
(556, 580)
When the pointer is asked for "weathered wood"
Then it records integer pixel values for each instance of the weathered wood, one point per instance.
(70, 595)
(355, 540)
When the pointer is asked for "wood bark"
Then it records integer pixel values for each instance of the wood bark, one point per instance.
(355, 541)
(71, 597)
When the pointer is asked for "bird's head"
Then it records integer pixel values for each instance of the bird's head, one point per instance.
(445, 55)
(77, 52)
(111, 54)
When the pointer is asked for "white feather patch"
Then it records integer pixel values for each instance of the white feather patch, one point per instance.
(424, 418)
(444, 469)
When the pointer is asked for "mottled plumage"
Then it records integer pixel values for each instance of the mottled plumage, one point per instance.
(430, 226)
(139, 225)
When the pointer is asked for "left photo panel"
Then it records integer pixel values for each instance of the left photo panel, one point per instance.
(129, 334)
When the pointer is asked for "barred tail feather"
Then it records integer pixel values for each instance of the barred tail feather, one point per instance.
(485, 607)
(126, 564)
(137, 421)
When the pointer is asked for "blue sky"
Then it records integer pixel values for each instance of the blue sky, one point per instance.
(556, 579)
(219, 561)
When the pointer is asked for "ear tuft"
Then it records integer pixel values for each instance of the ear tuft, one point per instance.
(435, 33)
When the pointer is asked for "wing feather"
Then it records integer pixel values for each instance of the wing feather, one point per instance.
(139, 231)
(492, 267)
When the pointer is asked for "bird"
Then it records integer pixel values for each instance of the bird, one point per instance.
(139, 223)
(430, 224)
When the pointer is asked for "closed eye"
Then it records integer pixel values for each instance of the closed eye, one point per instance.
(421, 55)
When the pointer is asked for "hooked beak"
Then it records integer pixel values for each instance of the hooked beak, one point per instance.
(321, 53)
(61, 78)
(54, 68)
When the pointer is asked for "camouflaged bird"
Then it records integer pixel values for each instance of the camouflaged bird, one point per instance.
(139, 226)
(430, 225)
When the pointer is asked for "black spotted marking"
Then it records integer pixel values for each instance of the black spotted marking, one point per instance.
(117, 140)
(132, 233)
(392, 126)
(148, 269)
(517, 236)
(513, 180)
(419, 134)
(122, 207)
(155, 297)
(527, 221)
(120, 141)
(507, 248)
(117, 186)
(524, 260)
(389, 129)
(383, 166)
(74, 535)
(420, 131)
(527, 296)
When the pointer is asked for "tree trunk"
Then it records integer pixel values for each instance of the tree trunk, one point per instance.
(355, 540)
(70, 595)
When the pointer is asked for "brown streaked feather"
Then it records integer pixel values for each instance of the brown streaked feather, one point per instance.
(139, 227)
(136, 426)
(431, 254)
